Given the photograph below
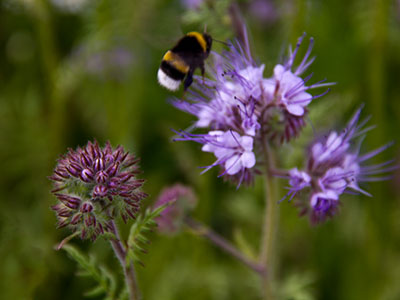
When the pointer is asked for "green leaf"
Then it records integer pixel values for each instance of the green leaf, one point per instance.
(137, 239)
(243, 244)
(96, 291)
(106, 282)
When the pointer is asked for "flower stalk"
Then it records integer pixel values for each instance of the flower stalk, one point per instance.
(129, 270)
(201, 230)
(268, 238)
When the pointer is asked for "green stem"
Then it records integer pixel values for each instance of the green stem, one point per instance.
(268, 239)
(202, 230)
(129, 271)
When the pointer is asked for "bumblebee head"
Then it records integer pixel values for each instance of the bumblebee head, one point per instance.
(208, 40)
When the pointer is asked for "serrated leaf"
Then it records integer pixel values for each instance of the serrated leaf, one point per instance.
(89, 267)
(111, 279)
(96, 291)
(144, 223)
(243, 244)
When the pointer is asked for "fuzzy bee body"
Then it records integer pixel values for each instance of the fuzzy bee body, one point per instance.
(179, 63)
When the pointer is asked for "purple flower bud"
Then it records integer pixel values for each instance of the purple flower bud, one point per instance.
(99, 164)
(74, 172)
(76, 219)
(99, 191)
(86, 207)
(86, 175)
(114, 183)
(86, 160)
(101, 177)
(109, 158)
(112, 170)
(62, 223)
(69, 201)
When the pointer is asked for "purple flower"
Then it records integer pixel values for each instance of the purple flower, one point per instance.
(234, 152)
(180, 200)
(228, 100)
(287, 91)
(93, 186)
(324, 204)
(335, 167)
(242, 110)
(264, 11)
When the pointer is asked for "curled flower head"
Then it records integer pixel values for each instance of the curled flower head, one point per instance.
(181, 200)
(288, 97)
(335, 167)
(93, 186)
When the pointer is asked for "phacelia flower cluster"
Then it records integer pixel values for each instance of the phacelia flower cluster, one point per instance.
(180, 200)
(95, 185)
(334, 167)
(242, 110)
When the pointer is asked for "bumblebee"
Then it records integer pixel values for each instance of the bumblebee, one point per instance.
(181, 61)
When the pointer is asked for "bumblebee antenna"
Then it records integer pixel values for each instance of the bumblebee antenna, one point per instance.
(226, 44)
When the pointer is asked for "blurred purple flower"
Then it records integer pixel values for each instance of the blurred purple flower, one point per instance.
(192, 4)
(334, 167)
(112, 63)
(264, 11)
(93, 186)
(180, 200)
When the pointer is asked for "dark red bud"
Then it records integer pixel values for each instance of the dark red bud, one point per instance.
(86, 175)
(86, 207)
(99, 191)
(112, 170)
(76, 219)
(100, 227)
(86, 160)
(101, 177)
(63, 223)
(99, 164)
(109, 158)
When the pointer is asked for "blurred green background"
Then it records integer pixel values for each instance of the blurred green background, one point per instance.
(75, 70)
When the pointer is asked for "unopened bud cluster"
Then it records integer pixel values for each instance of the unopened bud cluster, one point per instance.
(95, 185)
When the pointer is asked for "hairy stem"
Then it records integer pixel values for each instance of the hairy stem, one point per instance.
(129, 271)
(268, 239)
(202, 230)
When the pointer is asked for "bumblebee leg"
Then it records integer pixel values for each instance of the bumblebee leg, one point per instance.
(202, 72)
(188, 80)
